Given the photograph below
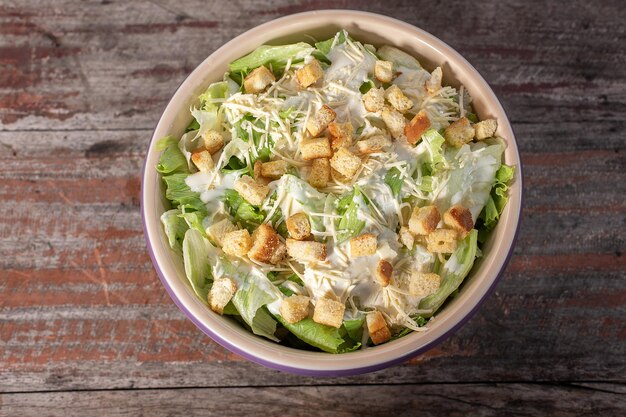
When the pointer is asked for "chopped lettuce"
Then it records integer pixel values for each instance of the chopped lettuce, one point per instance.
(243, 212)
(175, 228)
(394, 180)
(434, 144)
(172, 159)
(179, 193)
(249, 301)
(326, 338)
(196, 253)
(275, 57)
(497, 201)
(398, 57)
(195, 220)
(452, 273)
(325, 46)
(348, 207)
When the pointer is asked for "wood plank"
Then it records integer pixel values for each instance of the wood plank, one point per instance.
(116, 64)
(348, 400)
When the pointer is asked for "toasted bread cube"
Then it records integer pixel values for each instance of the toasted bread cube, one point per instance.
(306, 250)
(220, 294)
(237, 243)
(341, 134)
(417, 127)
(459, 133)
(383, 273)
(256, 173)
(266, 245)
(377, 327)
(424, 220)
(383, 71)
(202, 160)
(309, 74)
(373, 144)
(406, 237)
(218, 230)
(251, 191)
(374, 99)
(315, 148)
(213, 141)
(459, 218)
(320, 173)
(258, 80)
(320, 121)
(423, 284)
(363, 245)
(485, 129)
(299, 226)
(441, 241)
(345, 162)
(274, 169)
(329, 312)
(295, 308)
(394, 120)
(433, 84)
(397, 99)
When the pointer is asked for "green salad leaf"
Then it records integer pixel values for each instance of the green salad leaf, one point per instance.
(175, 228)
(452, 273)
(322, 337)
(179, 193)
(196, 252)
(275, 57)
(394, 180)
(243, 212)
(172, 159)
(348, 207)
(249, 300)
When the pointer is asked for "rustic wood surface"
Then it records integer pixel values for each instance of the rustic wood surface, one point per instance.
(86, 327)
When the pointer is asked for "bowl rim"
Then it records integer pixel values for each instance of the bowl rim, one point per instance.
(345, 370)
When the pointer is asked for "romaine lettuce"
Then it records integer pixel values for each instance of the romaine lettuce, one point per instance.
(196, 253)
(179, 193)
(172, 159)
(249, 300)
(243, 212)
(175, 228)
(275, 57)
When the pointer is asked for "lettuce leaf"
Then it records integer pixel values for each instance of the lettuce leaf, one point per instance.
(318, 335)
(452, 273)
(243, 212)
(434, 143)
(194, 220)
(398, 57)
(249, 300)
(175, 228)
(179, 193)
(498, 198)
(325, 46)
(172, 159)
(275, 57)
(393, 178)
(196, 252)
(348, 207)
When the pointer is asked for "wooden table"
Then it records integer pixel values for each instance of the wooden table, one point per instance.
(86, 327)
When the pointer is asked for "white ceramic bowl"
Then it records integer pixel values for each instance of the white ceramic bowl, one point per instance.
(369, 28)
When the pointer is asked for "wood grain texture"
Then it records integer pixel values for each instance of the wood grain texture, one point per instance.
(83, 83)
(348, 400)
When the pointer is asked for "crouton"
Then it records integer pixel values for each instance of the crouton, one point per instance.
(485, 129)
(309, 74)
(341, 134)
(377, 327)
(237, 243)
(217, 231)
(459, 218)
(320, 173)
(258, 80)
(417, 127)
(345, 162)
(251, 191)
(383, 273)
(423, 284)
(373, 144)
(320, 121)
(315, 148)
(441, 241)
(397, 99)
(306, 250)
(424, 220)
(213, 141)
(202, 160)
(383, 71)
(374, 99)
(394, 120)
(295, 308)
(329, 312)
(299, 226)
(459, 133)
(433, 84)
(256, 173)
(363, 245)
(274, 169)
(220, 294)
(266, 245)
(406, 237)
